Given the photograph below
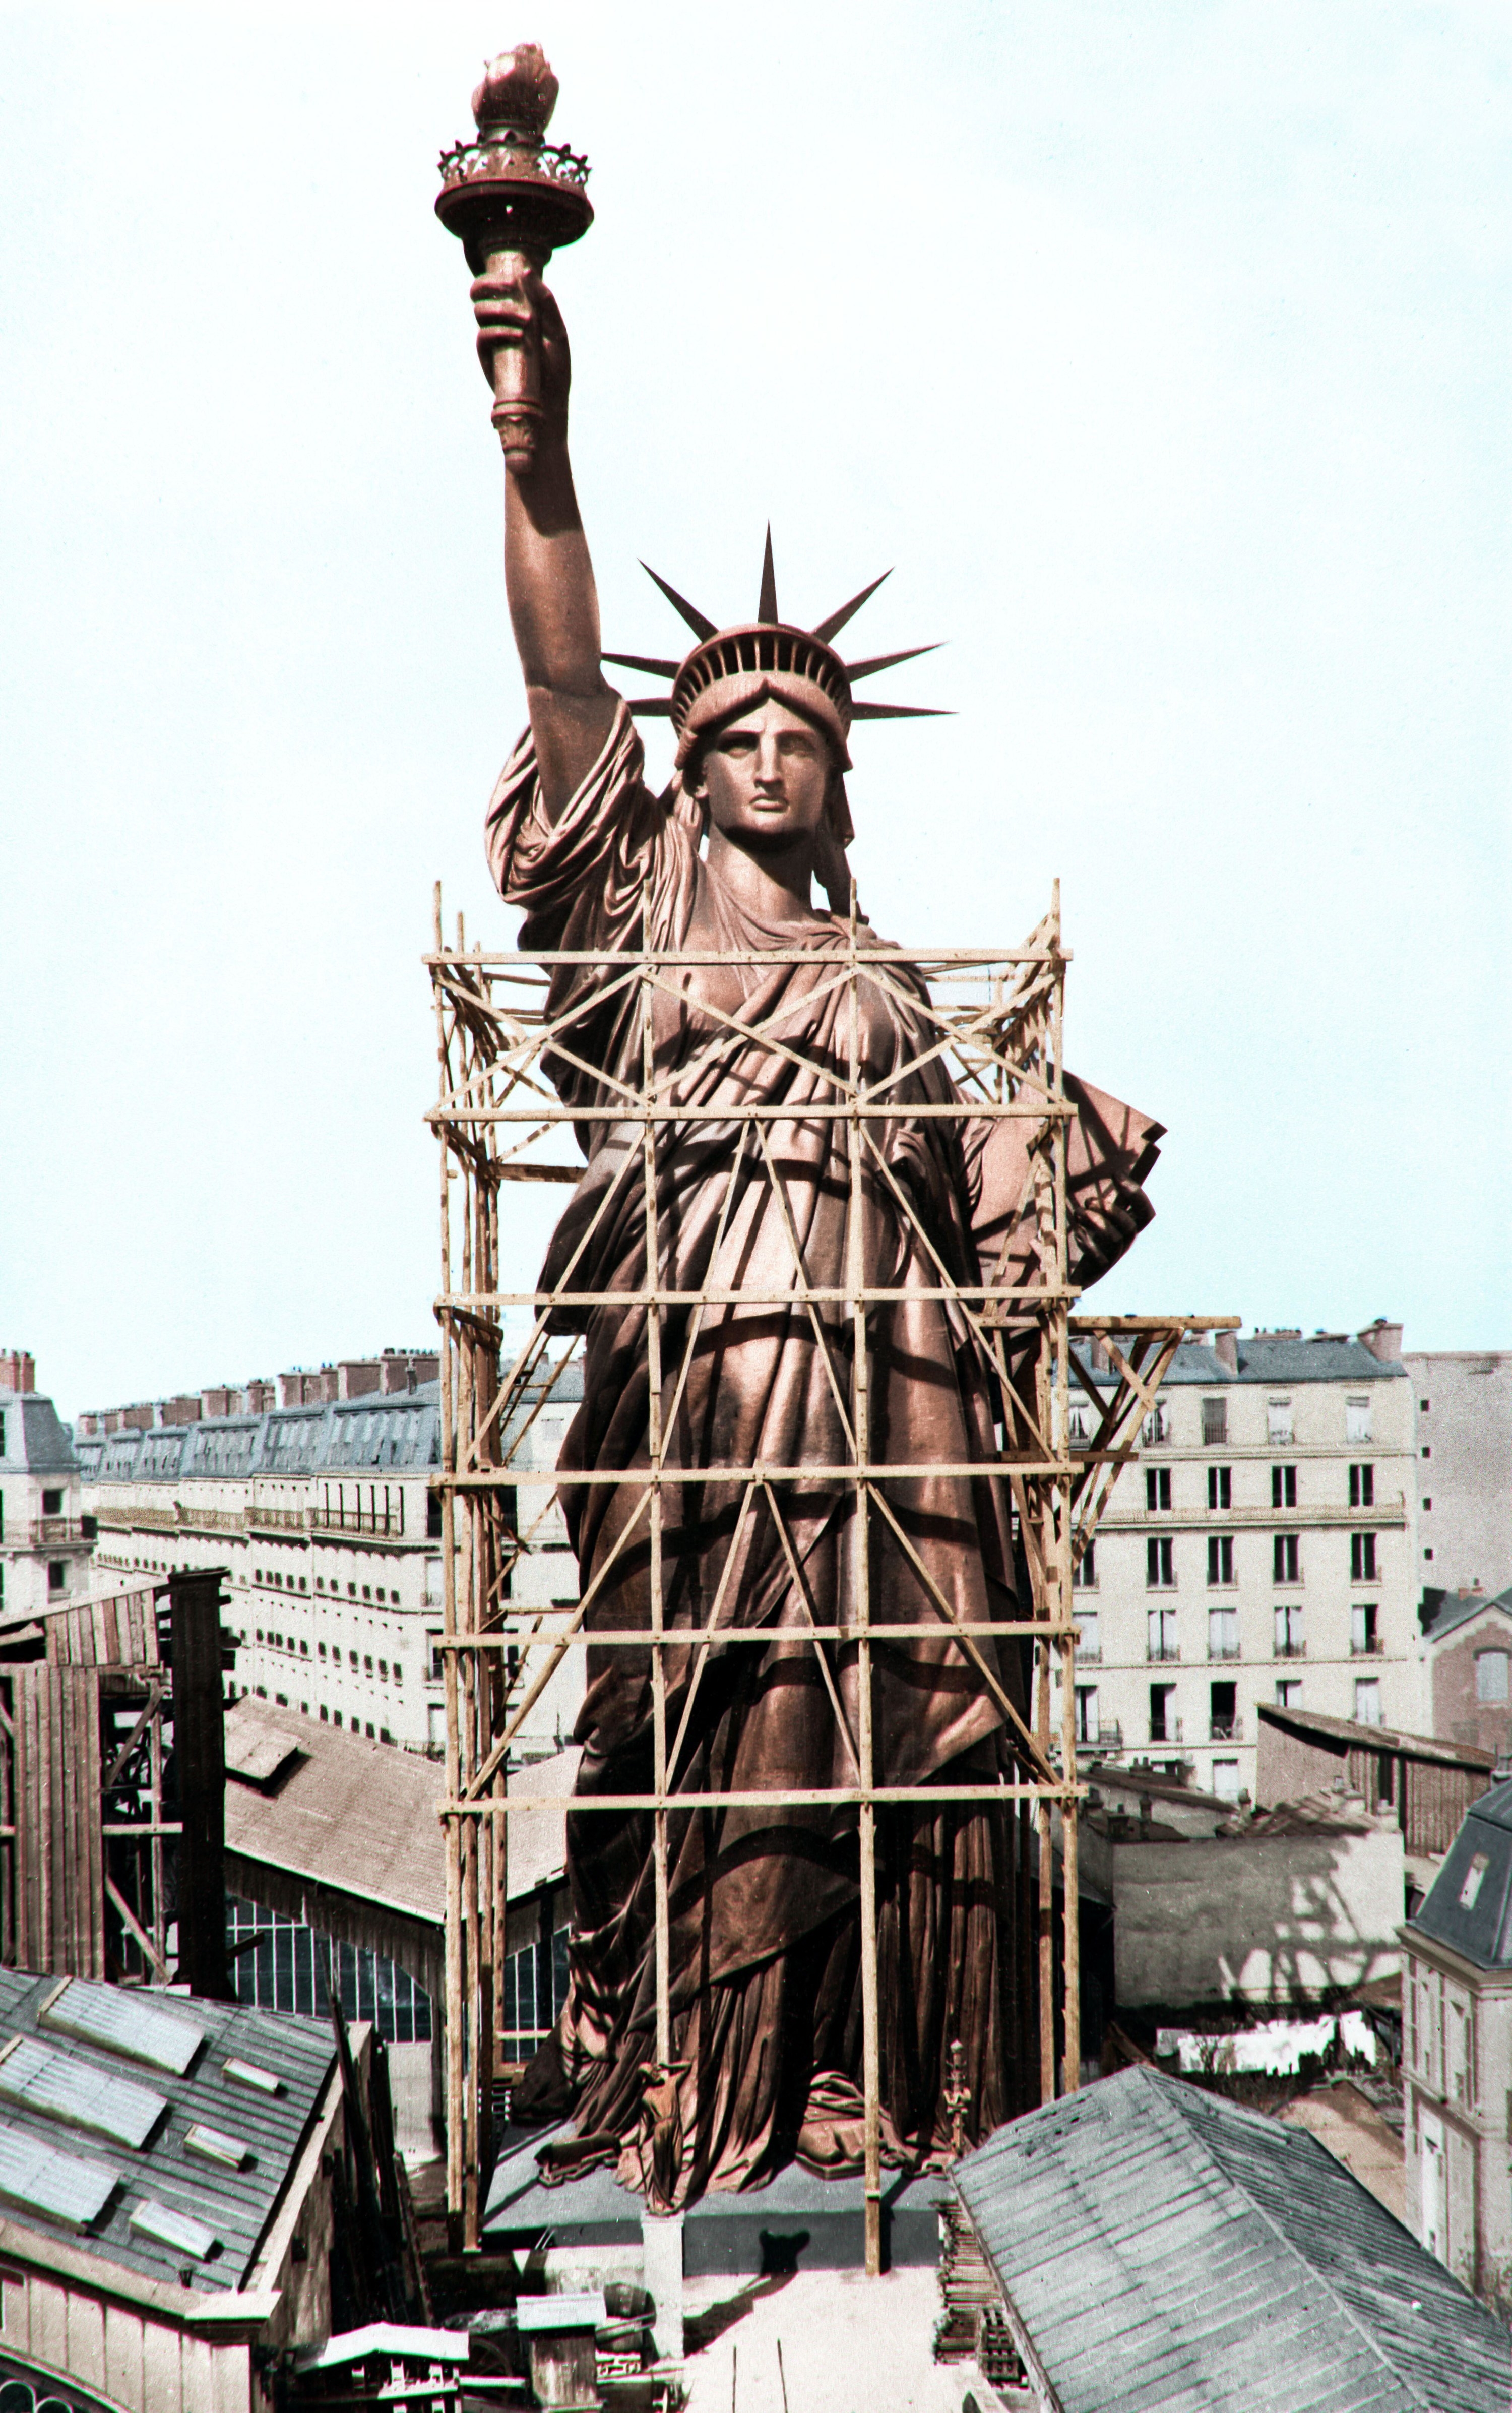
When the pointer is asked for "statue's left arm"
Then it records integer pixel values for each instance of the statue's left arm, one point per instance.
(553, 602)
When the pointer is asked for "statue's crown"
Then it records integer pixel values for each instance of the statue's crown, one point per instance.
(731, 670)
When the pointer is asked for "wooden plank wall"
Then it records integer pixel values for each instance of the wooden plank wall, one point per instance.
(60, 1876)
(119, 1631)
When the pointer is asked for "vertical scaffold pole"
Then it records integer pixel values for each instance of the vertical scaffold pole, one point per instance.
(455, 1942)
(867, 1812)
(1061, 1586)
(654, 1443)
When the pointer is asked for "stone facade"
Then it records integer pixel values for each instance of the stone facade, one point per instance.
(1262, 1549)
(1463, 1405)
(47, 1540)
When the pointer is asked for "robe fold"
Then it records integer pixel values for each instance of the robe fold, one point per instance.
(764, 1923)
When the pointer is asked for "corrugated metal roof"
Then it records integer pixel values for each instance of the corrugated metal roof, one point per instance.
(233, 2205)
(1168, 2251)
(1469, 1904)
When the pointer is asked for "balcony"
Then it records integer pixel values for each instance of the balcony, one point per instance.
(260, 1519)
(1223, 1651)
(1372, 1649)
(389, 1521)
(1225, 1729)
(1289, 1650)
(60, 1532)
(1168, 1733)
(1163, 1654)
(1107, 1737)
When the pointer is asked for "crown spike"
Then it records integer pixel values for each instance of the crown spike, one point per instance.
(700, 625)
(832, 627)
(854, 670)
(901, 712)
(658, 667)
(766, 612)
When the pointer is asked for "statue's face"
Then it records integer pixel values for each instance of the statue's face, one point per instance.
(766, 777)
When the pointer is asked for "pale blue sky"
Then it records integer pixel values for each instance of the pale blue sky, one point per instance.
(1163, 348)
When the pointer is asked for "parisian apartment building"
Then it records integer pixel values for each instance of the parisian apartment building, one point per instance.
(318, 1497)
(1463, 1404)
(1263, 1549)
(47, 1540)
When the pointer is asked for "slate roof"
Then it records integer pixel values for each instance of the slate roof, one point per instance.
(1280, 1363)
(1459, 1612)
(375, 1434)
(235, 2205)
(1479, 1928)
(1166, 2250)
(34, 1439)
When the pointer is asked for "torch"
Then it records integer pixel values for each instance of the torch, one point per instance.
(511, 199)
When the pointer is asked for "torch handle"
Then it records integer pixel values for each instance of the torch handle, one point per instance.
(517, 410)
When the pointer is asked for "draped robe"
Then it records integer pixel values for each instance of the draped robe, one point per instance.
(765, 1988)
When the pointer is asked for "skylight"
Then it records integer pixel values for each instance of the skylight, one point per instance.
(61, 2086)
(175, 2229)
(121, 2022)
(247, 2073)
(37, 2177)
(213, 2145)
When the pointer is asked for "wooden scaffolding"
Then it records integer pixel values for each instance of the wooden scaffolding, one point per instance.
(993, 1023)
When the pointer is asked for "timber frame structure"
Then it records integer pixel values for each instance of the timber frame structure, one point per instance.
(996, 1016)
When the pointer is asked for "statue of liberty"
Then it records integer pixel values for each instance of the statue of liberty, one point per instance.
(743, 857)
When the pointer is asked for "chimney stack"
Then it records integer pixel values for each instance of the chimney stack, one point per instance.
(1383, 1340)
(1227, 1349)
(17, 1372)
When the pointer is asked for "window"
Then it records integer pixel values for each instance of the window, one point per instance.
(1156, 1426)
(1225, 1779)
(1363, 1636)
(1087, 1726)
(352, 1656)
(1368, 1700)
(351, 1589)
(433, 1516)
(1278, 1420)
(1088, 1643)
(367, 1663)
(1223, 1710)
(1284, 1487)
(1286, 1558)
(1425, 1405)
(325, 1715)
(437, 1667)
(1222, 1634)
(1428, 1554)
(1220, 1558)
(1162, 1642)
(1077, 1423)
(1427, 1504)
(335, 1717)
(1362, 1487)
(1357, 1419)
(1289, 1693)
(1362, 1558)
(1214, 1422)
(303, 1650)
(322, 1649)
(1084, 1575)
(57, 1575)
(1157, 1488)
(1289, 1633)
(1160, 1563)
(51, 1504)
(1474, 1879)
(1427, 1452)
(399, 1673)
(367, 1591)
(1163, 1725)
(1491, 1676)
(1220, 1487)
(383, 1670)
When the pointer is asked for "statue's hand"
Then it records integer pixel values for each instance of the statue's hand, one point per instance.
(521, 310)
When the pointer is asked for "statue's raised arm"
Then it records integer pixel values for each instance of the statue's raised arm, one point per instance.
(553, 602)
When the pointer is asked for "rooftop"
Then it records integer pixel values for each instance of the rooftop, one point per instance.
(34, 1440)
(156, 2131)
(1469, 1904)
(1278, 1360)
(357, 1816)
(1459, 1610)
(1313, 1725)
(1165, 2249)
